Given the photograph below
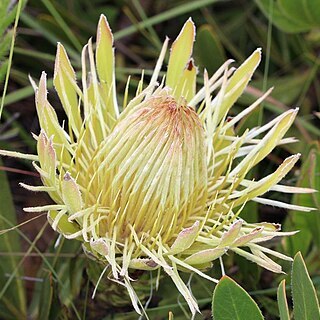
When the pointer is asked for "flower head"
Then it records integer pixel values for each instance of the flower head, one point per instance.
(161, 181)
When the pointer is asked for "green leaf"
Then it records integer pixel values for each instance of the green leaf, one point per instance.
(286, 88)
(269, 304)
(208, 49)
(249, 273)
(12, 298)
(76, 269)
(230, 301)
(61, 282)
(282, 301)
(305, 301)
(306, 12)
(308, 224)
(282, 20)
(46, 297)
(70, 272)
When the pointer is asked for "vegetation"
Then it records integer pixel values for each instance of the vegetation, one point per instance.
(43, 276)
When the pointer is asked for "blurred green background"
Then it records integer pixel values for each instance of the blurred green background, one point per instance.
(42, 278)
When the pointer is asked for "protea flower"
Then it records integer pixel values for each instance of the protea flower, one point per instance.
(161, 181)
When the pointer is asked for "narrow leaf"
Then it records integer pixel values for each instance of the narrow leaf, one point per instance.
(282, 301)
(305, 301)
(46, 297)
(13, 300)
(208, 45)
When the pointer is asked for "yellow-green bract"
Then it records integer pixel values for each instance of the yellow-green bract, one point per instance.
(159, 182)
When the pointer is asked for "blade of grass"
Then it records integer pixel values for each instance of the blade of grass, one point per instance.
(45, 254)
(154, 36)
(169, 14)
(34, 24)
(10, 243)
(86, 296)
(312, 75)
(25, 136)
(267, 63)
(14, 272)
(227, 44)
(282, 301)
(34, 54)
(144, 32)
(73, 39)
(278, 107)
(11, 54)
(45, 260)
(28, 91)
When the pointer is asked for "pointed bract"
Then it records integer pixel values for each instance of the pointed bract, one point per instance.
(180, 54)
(64, 80)
(71, 194)
(185, 238)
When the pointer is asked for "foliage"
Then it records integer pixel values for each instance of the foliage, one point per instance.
(230, 301)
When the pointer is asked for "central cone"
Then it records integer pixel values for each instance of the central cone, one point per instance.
(151, 171)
